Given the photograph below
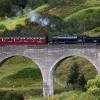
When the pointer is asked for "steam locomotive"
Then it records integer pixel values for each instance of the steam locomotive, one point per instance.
(64, 39)
(76, 39)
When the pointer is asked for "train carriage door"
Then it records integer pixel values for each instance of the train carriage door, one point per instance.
(40, 40)
(12, 40)
(9, 40)
(36, 40)
(22, 40)
(29, 40)
(16, 40)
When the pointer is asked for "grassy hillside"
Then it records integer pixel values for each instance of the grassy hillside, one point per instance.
(75, 15)
(83, 20)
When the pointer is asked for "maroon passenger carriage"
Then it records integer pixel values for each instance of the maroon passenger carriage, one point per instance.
(23, 40)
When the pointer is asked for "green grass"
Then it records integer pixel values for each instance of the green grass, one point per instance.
(72, 95)
(26, 73)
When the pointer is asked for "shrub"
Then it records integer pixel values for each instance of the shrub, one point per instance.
(93, 86)
(94, 91)
(91, 83)
(5, 7)
(27, 73)
(94, 82)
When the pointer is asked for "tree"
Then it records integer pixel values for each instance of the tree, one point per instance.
(73, 75)
(5, 7)
(75, 78)
(82, 82)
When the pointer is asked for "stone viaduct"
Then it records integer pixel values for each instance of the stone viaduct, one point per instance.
(48, 56)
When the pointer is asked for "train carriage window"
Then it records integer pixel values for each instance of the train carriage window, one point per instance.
(9, 39)
(17, 39)
(12, 39)
(36, 39)
(22, 39)
(94, 40)
(5, 39)
(40, 39)
(25, 39)
(32, 39)
(80, 40)
(44, 39)
(29, 39)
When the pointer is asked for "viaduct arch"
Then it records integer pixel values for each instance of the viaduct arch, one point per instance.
(47, 57)
(59, 60)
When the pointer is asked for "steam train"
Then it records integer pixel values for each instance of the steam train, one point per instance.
(54, 40)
